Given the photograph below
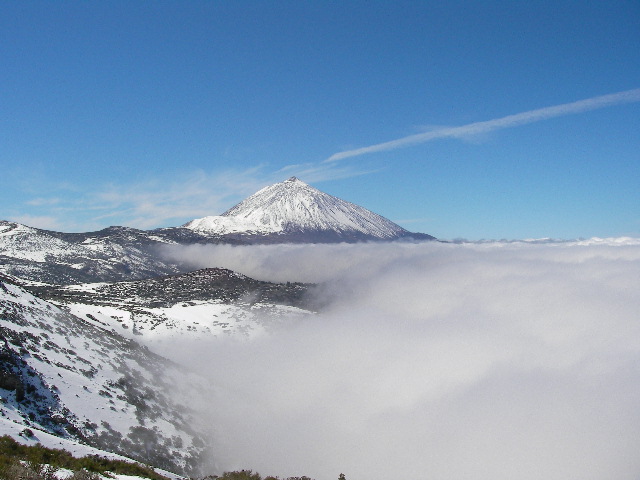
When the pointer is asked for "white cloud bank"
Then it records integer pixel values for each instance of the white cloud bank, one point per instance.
(524, 118)
(436, 361)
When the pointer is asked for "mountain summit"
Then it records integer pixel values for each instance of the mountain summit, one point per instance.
(295, 212)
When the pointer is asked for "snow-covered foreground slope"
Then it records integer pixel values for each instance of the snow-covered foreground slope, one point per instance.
(294, 211)
(77, 449)
(77, 381)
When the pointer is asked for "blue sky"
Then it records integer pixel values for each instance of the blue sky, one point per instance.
(149, 114)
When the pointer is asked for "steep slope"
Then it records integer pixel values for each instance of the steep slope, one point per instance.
(34, 437)
(75, 380)
(292, 211)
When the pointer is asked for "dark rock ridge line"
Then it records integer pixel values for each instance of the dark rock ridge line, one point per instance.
(208, 284)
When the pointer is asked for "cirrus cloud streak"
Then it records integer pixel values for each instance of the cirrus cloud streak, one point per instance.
(524, 118)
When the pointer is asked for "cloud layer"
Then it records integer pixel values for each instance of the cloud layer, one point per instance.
(495, 361)
(531, 116)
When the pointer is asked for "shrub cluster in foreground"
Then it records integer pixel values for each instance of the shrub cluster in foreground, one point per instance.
(251, 475)
(22, 462)
(35, 462)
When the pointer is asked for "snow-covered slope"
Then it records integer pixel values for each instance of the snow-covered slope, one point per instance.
(195, 306)
(75, 448)
(293, 211)
(78, 381)
(113, 254)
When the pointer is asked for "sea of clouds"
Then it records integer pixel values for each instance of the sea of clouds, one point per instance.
(435, 361)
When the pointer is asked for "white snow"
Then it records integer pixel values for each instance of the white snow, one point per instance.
(195, 320)
(223, 225)
(13, 429)
(83, 365)
(20, 241)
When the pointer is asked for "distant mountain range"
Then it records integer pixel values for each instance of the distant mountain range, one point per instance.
(286, 212)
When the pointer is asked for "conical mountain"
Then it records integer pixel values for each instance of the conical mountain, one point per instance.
(295, 212)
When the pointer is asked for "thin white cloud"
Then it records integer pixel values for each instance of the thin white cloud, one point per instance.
(38, 202)
(317, 172)
(158, 201)
(198, 194)
(477, 128)
(155, 202)
(38, 221)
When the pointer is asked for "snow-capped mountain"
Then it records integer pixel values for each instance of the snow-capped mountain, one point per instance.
(292, 211)
(80, 381)
(86, 361)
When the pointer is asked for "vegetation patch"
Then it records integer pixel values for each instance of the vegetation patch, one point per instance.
(36, 462)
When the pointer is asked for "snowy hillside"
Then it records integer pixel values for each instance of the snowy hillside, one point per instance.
(77, 381)
(294, 211)
(40, 437)
(116, 253)
(195, 306)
